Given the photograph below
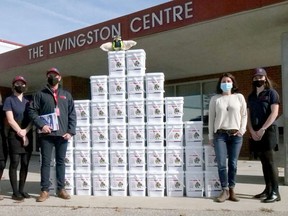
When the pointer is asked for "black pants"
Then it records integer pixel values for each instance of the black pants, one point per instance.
(2, 167)
(15, 159)
(270, 170)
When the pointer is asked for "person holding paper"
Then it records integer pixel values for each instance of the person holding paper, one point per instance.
(16, 109)
(53, 100)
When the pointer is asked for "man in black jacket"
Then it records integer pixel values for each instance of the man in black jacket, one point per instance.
(57, 102)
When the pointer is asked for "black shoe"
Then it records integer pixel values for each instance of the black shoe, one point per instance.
(25, 195)
(17, 196)
(273, 197)
(262, 195)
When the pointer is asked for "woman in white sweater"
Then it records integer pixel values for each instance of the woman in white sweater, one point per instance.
(227, 125)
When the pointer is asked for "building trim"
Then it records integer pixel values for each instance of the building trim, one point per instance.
(164, 17)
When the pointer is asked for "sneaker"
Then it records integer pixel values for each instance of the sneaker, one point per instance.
(63, 194)
(43, 196)
(17, 196)
(25, 195)
(1, 197)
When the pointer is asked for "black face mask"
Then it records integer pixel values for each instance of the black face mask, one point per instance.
(258, 83)
(52, 80)
(20, 89)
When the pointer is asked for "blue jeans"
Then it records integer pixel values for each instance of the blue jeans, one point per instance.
(227, 146)
(46, 144)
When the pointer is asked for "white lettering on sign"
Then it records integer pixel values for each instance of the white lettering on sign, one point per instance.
(166, 16)
(76, 41)
(83, 39)
(35, 52)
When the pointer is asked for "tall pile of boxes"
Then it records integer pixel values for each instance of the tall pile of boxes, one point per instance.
(201, 174)
(194, 159)
(130, 138)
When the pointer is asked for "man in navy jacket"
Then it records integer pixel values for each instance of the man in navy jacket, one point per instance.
(58, 102)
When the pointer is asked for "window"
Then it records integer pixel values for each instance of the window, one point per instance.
(196, 96)
(192, 100)
(209, 89)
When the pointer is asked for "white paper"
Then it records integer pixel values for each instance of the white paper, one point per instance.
(51, 120)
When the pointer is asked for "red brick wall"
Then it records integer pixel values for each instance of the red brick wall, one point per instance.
(5, 92)
(79, 87)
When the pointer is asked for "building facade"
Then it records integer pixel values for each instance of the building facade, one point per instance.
(191, 41)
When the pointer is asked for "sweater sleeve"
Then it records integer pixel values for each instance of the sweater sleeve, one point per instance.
(211, 117)
(243, 113)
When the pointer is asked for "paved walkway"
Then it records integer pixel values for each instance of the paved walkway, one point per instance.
(249, 178)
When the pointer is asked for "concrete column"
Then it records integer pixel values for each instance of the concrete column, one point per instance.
(285, 100)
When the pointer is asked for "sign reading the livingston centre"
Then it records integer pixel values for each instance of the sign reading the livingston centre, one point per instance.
(145, 22)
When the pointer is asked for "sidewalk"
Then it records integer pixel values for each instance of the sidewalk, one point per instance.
(250, 182)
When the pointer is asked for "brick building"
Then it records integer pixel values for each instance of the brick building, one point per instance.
(192, 41)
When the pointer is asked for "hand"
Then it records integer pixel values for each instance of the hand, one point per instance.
(46, 129)
(25, 141)
(260, 133)
(67, 136)
(255, 136)
(21, 133)
(238, 134)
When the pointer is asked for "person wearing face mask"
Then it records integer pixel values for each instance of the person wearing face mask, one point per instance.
(53, 99)
(227, 125)
(19, 145)
(263, 107)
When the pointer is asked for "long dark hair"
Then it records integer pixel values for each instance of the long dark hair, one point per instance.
(234, 88)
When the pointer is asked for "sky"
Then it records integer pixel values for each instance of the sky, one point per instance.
(30, 21)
